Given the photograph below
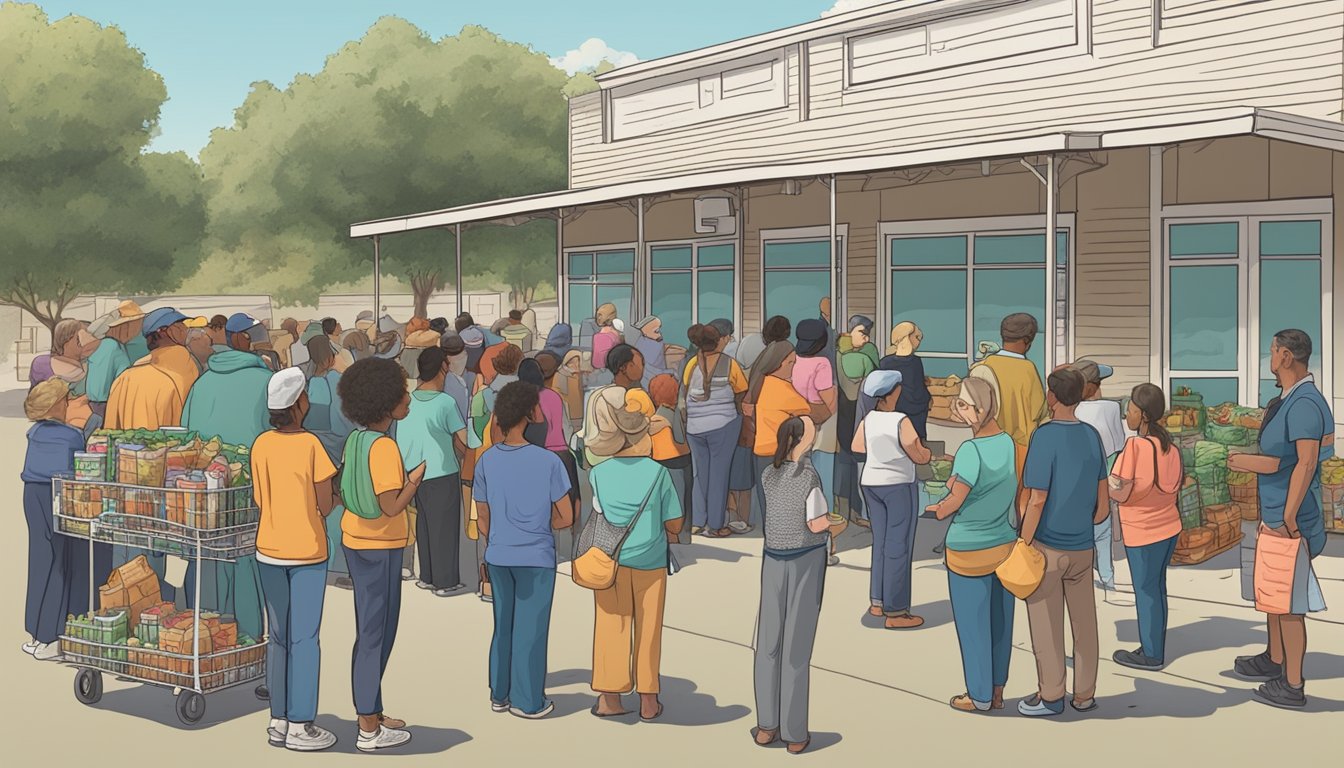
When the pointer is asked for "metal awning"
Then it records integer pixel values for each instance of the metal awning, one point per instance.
(1157, 130)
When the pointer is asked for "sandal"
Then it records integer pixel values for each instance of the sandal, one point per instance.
(799, 748)
(608, 714)
(764, 737)
(721, 533)
(875, 610)
(656, 715)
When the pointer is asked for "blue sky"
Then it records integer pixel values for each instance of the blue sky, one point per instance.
(209, 53)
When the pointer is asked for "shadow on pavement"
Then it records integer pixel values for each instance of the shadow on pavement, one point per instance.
(934, 615)
(149, 702)
(424, 739)
(1209, 633)
(820, 741)
(689, 554)
(683, 704)
(11, 403)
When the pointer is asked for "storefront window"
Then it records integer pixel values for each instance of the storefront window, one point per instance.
(797, 277)
(690, 284)
(1204, 318)
(595, 278)
(1289, 288)
(1002, 292)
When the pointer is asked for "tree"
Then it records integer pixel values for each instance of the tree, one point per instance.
(82, 209)
(394, 123)
(585, 81)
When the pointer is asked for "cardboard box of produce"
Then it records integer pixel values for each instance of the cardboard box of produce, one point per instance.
(133, 587)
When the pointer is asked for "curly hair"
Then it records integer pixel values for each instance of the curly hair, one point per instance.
(371, 389)
(514, 403)
(507, 361)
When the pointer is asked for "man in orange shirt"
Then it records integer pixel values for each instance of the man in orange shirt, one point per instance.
(151, 393)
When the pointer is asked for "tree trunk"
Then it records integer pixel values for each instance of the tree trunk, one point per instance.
(423, 285)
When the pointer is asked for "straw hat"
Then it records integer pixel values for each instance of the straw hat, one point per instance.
(43, 397)
(126, 312)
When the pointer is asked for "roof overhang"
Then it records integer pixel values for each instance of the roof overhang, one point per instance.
(1160, 130)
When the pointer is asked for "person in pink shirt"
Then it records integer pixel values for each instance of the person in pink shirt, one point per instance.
(814, 378)
(607, 335)
(540, 372)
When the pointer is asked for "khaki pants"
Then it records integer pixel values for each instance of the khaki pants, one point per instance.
(1068, 580)
(628, 632)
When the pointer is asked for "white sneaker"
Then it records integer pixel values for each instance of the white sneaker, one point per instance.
(306, 737)
(423, 585)
(30, 647)
(547, 708)
(275, 732)
(383, 738)
(739, 527)
(499, 707)
(48, 651)
(407, 574)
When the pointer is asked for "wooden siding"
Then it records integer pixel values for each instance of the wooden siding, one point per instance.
(1277, 54)
(1337, 290)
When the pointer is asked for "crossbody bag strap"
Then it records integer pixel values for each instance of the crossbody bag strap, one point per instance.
(1157, 480)
(634, 520)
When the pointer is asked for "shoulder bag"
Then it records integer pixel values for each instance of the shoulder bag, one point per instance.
(599, 546)
(356, 480)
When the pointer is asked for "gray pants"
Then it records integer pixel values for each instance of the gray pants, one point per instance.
(785, 630)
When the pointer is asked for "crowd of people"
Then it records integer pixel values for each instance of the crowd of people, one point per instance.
(387, 447)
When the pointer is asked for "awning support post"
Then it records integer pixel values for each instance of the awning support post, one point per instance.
(641, 273)
(561, 294)
(1050, 323)
(457, 262)
(377, 277)
(837, 311)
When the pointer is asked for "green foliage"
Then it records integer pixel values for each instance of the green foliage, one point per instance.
(81, 208)
(395, 122)
(586, 82)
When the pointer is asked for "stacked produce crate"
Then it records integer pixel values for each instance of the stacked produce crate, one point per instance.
(942, 392)
(1332, 494)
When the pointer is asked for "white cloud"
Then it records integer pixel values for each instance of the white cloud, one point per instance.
(844, 6)
(592, 52)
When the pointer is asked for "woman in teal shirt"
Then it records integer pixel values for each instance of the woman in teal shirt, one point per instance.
(628, 626)
(981, 536)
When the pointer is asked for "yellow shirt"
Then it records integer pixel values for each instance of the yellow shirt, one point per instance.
(382, 532)
(1021, 396)
(286, 466)
(150, 395)
(777, 402)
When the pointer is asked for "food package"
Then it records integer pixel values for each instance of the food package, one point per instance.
(1228, 434)
(949, 387)
(1195, 538)
(181, 639)
(1219, 514)
(1209, 453)
(134, 587)
(138, 465)
(1190, 505)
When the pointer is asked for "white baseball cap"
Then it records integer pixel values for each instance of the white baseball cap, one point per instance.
(284, 389)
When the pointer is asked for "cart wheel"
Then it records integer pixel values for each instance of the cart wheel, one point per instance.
(88, 686)
(190, 707)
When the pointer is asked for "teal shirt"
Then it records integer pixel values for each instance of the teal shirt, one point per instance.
(619, 485)
(988, 466)
(137, 348)
(426, 434)
(105, 365)
(229, 399)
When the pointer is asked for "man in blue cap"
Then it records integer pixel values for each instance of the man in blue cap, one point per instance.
(151, 393)
(244, 332)
(1105, 417)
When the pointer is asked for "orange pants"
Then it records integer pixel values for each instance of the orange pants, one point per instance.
(628, 632)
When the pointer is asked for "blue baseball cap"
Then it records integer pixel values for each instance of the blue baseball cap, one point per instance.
(239, 322)
(880, 383)
(161, 318)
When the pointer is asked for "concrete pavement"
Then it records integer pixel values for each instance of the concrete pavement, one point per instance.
(876, 694)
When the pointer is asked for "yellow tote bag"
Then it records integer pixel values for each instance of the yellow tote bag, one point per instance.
(411, 515)
(1023, 571)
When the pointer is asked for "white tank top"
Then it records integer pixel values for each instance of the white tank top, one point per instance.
(887, 463)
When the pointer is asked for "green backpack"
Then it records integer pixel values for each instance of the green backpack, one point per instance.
(356, 479)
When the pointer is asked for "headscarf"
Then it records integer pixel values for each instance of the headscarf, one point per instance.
(620, 423)
(663, 389)
(604, 315)
(560, 340)
(40, 370)
(769, 362)
(570, 386)
(65, 330)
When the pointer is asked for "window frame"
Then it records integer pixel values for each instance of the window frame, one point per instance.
(972, 228)
(695, 244)
(1248, 261)
(817, 234)
(592, 283)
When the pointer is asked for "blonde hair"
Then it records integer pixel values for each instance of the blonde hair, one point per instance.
(604, 315)
(980, 395)
(901, 332)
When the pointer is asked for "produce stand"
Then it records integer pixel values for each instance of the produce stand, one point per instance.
(194, 653)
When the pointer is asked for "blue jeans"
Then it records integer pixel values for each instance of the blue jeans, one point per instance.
(1148, 570)
(294, 656)
(824, 463)
(377, 577)
(983, 613)
(335, 552)
(712, 460)
(522, 629)
(58, 569)
(893, 510)
(1101, 539)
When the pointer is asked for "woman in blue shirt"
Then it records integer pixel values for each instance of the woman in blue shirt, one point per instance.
(57, 564)
(628, 628)
(326, 420)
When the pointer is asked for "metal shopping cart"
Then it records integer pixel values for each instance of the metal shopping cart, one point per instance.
(197, 524)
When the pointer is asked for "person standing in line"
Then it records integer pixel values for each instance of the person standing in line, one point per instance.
(626, 366)
(292, 485)
(606, 337)
(651, 345)
(150, 394)
(893, 448)
(435, 434)
(714, 386)
(557, 423)
(1022, 403)
(1144, 483)
(628, 624)
(328, 423)
(915, 398)
(670, 447)
(503, 371)
(333, 332)
(979, 539)
(112, 356)
(1065, 475)
(518, 521)
(1297, 435)
(814, 378)
(856, 358)
(58, 565)
(793, 578)
(1104, 416)
(376, 490)
(772, 400)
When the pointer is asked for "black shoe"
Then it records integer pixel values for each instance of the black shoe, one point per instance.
(1136, 660)
(1278, 693)
(263, 693)
(1257, 668)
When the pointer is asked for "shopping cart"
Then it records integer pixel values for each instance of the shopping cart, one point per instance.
(200, 525)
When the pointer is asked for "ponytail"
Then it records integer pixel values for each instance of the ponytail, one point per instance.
(789, 436)
(1151, 401)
